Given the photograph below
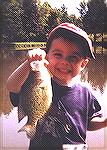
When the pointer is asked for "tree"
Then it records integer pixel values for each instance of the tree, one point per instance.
(12, 24)
(44, 13)
(92, 15)
(29, 19)
(52, 20)
(105, 20)
(64, 17)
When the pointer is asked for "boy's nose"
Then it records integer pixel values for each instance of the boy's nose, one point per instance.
(64, 64)
(65, 61)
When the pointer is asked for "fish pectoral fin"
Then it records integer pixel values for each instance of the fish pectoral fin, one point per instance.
(30, 130)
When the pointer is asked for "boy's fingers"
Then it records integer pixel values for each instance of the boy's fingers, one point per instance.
(41, 53)
(46, 63)
(36, 54)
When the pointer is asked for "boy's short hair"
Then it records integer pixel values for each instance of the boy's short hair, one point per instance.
(72, 33)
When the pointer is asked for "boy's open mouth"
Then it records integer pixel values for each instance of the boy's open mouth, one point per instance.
(65, 71)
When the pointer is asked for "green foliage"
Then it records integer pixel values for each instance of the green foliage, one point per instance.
(64, 15)
(92, 15)
(105, 20)
(44, 13)
(52, 20)
(11, 25)
(28, 21)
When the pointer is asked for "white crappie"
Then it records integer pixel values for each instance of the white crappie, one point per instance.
(35, 97)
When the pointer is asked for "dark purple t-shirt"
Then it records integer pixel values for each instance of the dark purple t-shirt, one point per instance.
(67, 121)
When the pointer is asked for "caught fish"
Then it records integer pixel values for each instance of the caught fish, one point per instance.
(35, 97)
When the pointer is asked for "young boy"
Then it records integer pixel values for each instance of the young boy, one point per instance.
(73, 105)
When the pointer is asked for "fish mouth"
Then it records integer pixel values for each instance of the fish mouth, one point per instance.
(36, 65)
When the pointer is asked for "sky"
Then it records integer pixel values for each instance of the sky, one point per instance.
(70, 5)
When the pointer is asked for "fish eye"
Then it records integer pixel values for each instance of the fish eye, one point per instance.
(43, 88)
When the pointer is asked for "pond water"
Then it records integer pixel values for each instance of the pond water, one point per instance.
(10, 139)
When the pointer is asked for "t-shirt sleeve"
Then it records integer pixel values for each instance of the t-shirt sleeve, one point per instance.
(94, 108)
(14, 98)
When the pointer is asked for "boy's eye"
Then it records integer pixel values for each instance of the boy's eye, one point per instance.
(73, 58)
(58, 55)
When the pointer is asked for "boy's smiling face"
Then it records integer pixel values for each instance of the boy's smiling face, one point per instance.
(65, 60)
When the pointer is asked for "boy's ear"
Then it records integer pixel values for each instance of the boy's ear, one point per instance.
(84, 63)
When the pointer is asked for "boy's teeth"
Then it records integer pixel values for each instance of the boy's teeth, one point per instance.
(66, 70)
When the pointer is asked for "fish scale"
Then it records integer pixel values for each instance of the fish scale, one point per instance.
(35, 97)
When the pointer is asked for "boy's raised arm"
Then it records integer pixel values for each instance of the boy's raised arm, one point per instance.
(18, 77)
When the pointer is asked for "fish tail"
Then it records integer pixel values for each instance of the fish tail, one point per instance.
(30, 130)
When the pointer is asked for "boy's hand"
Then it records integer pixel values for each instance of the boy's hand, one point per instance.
(37, 54)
